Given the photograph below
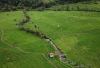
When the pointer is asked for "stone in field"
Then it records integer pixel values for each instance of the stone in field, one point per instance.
(58, 26)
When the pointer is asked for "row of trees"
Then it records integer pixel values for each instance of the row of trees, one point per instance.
(35, 32)
(73, 1)
(69, 8)
(76, 8)
(7, 5)
(25, 20)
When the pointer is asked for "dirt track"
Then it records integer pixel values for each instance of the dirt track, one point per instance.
(61, 56)
(25, 51)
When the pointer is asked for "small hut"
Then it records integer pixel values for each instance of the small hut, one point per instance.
(51, 54)
(15, 43)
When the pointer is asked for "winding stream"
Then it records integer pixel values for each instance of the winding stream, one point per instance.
(61, 56)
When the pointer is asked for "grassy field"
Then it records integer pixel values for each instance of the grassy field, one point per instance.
(82, 5)
(11, 57)
(78, 36)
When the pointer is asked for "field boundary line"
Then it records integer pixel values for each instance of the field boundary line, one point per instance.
(25, 51)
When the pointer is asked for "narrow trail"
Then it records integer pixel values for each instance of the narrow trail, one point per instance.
(61, 56)
(25, 51)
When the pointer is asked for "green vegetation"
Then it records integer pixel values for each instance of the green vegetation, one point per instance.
(78, 35)
(80, 6)
(11, 57)
(40, 5)
(72, 25)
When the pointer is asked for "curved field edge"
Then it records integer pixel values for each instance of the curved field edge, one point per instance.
(15, 58)
(78, 36)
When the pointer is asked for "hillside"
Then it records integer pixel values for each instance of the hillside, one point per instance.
(30, 50)
(49, 33)
(77, 37)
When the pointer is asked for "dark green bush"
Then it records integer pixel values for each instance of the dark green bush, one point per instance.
(40, 9)
(21, 28)
(38, 33)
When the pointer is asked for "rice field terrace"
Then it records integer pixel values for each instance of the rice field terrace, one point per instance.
(76, 33)
(29, 51)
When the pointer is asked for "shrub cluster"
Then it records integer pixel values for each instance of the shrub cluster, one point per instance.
(41, 8)
(24, 20)
(35, 32)
(76, 8)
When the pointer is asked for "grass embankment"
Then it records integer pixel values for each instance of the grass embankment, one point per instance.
(78, 36)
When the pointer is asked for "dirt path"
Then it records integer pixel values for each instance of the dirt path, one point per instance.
(61, 56)
(25, 51)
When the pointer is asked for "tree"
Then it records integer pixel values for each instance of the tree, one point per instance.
(78, 8)
(35, 26)
(67, 8)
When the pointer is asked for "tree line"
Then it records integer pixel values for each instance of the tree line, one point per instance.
(28, 30)
(8, 5)
(13, 5)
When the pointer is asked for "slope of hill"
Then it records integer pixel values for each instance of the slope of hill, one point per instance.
(73, 25)
(78, 35)
(29, 52)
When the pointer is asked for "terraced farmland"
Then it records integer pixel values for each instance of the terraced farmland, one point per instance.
(78, 34)
(29, 52)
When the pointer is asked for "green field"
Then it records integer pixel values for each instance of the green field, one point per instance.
(11, 57)
(71, 26)
(87, 6)
(78, 36)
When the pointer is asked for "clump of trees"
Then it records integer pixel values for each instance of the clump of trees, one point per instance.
(39, 5)
(73, 1)
(75, 8)
(41, 8)
(35, 32)
(8, 5)
(25, 19)
(62, 8)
